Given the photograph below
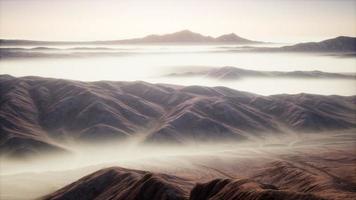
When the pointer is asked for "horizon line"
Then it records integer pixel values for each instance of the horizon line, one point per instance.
(161, 34)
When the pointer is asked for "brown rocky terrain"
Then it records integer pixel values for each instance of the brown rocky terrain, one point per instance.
(124, 184)
(43, 115)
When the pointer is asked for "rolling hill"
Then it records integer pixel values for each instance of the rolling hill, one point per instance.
(41, 114)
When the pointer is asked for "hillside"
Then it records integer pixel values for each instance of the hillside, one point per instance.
(279, 180)
(124, 184)
(41, 114)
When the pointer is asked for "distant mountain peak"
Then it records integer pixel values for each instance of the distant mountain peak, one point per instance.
(180, 36)
(190, 36)
(342, 37)
(232, 34)
(232, 37)
(184, 36)
(186, 31)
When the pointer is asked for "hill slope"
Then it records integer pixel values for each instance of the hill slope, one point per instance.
(38, 114)
(124, 184)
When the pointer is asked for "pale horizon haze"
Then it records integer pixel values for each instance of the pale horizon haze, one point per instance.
(273, 20)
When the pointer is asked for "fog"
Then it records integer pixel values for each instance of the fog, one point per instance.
(40, 175)
(43, 174)
(134, 150)
(151, 62)
(123, 153)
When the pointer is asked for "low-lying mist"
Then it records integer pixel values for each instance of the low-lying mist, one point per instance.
(134, 151)
(120, 153)
(149, 63)
(39, 175)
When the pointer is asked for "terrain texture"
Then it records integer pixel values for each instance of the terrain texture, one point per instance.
(43, 115)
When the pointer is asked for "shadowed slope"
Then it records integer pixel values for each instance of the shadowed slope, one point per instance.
(227, 189)
(299, 176)
(123, 184)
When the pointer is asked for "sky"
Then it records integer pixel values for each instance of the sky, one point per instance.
(267, 20)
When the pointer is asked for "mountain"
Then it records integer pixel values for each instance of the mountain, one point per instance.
(234, 73)
(338, 44)
(184, 36)
(232, 37)
(187, 36)
(41, 114)
(341, 44)
(124, 184)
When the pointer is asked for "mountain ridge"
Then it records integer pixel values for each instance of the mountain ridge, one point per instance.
(184, 36)
(235, 73)
(42, 113)
(341, 44)
(127, 184)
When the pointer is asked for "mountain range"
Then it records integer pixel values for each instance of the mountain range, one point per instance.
(42, 114)
(342, 44)
(234, 73)
(184, 36)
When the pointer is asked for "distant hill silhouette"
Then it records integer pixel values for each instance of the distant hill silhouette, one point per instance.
(234, 73)
(338, 44)
(184, 36)
(187, 36)
(341, 44)
(181, 36)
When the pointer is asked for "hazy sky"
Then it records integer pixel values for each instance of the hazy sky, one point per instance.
(270, 20)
